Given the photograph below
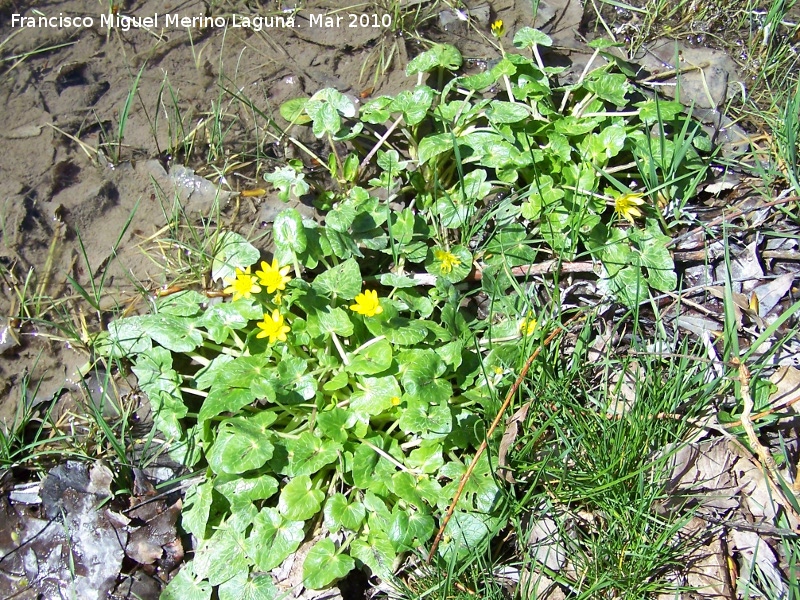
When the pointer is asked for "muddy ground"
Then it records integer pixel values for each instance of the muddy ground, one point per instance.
(77, 208)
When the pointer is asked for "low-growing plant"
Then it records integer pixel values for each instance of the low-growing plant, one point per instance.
(335, 400)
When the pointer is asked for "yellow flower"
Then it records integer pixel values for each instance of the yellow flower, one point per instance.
(367, 304)
(447, 259)
(273, 327)
(243, 285)
(527, 326)
(626, 205)
(272, 277)
(396, 401)
(498, 29)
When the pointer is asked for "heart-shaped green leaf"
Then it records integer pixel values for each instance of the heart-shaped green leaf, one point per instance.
(323, 565)
(299, 500)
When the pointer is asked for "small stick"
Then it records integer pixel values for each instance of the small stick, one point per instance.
(380, 142)
(773, 476)
(484, 443)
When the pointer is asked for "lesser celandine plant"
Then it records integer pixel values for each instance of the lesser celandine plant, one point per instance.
(331, 399)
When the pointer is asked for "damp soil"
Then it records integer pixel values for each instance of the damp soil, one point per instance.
(78, 211)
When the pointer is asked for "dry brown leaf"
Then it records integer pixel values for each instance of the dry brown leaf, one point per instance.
(755, 552)
(622, 389)
(508, 439)
(698, 325)
(787, 380)
(707, 564)
(704, 470)
(769, 294)
(546, 545)
(741, 304)
(745, 269)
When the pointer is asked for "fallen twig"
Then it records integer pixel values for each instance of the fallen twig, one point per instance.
(772, 475)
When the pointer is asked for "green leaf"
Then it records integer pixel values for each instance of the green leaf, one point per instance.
(376, 111)
(241, 490)
(273, 538)
(325, 108)
(222, 556)
(309, 453)
(416, 490)
(232, 251)
(604, 43)
(400, 331)
(187, 586)
(475, 186)
(397, 281)
(374, 395)
(428, 457)
(294, 383)
(503, 67)
(427, 420)
(249, 587)
(294, 111)
(241, 445)
(178, 334)
(339, 513)
(323, 565)
(439, 56)
(612, 87)
(299, 501)
(289, 182)
(466, 533)
(327, 320)
(336, 423)
(421, 525)
(651, 111)
(656, 258)
(127, 337)
(185, 303)
(432, 146)
(372, 471)
(500, 111)
(477, 82)
(341, 217)
(390, 162)
(575, 126)
(528, 37)
(480, 491)
(602, 146)
(629, 285)
(419, 368)
(377, 552)
(375, 358)
(414, 104)
(222, 319)
(336, 382)
(343, 280)
(196, 509)
(288, 231)
(162, 384)
(221, 400)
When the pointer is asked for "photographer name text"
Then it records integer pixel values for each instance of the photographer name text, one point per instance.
(177, 21)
